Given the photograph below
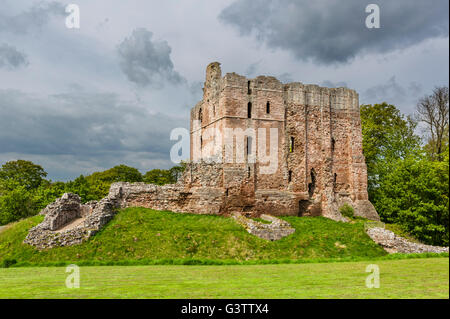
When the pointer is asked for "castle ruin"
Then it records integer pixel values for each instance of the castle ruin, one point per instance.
(258, 148)
(317, 149)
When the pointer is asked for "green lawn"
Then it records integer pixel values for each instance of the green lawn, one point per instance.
(139, 234)
(407, 278)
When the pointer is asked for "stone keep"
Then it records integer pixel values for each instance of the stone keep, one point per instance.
(318, 147)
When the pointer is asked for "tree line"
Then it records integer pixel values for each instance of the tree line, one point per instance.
(25, 191)
(408, 165)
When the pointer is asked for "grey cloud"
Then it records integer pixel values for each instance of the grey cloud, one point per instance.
(403, 96)
(147, 62)
(97, 128)
(32, 19)
(252, 69)
(331, 84)
(11, 58)
(389, 90)
(285, 77)
(329, 31)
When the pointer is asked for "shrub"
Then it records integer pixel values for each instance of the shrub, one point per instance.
(8, 263)
(347, 210)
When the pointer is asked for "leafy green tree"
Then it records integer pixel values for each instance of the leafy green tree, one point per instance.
(177, 171)
(82, 187)
(387, 136)
(47, 193)
(16, 202)
(415, 194)
(159, 177)
(25, 173)
(100, 182)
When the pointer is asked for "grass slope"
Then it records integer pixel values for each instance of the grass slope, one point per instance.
(411, 278)
(145, 234)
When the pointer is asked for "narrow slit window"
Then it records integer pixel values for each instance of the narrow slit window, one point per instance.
(290, 176)
(268, 107)
(333, 144)
(291, 144)
(248, 172)
(249, 90)
(312, 185)
(249, 110)
(249, 145)
(200, 115)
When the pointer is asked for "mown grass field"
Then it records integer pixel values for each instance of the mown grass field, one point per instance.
(138, 234)
(407, 278)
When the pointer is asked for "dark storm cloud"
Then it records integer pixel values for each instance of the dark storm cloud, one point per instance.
(81, 123)
(32, 19)
(334, 31)
(11, 58)
(146, 61)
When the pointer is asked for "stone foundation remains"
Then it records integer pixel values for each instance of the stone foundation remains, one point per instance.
(396, 244)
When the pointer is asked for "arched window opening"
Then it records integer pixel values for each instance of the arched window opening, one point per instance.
(268, 107)
(249, 110)
(290, 176)
(312, 185)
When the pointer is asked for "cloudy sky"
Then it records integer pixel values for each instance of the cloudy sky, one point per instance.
(82, 100)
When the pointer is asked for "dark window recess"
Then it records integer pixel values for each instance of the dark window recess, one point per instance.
(249, 145)
(335, 180)
(303, 207)
(290, 176)
(312, 185)
(268, 107)
(249, 90)
(200, 116)
(333, 144)
(248, 172)
(201, 142)
(249, 110)
(291, 145)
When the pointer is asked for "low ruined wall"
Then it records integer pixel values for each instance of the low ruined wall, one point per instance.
(46, 234)
(62, 211)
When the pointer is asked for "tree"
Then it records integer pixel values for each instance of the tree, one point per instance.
(16, 202)
(25, 173)
(82, 187)
(433, 110)
(177, 171)
(159, 177)
(101, 181)
(415, 195)
(387, 136)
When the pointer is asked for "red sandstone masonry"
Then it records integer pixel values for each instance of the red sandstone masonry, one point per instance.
(325, 126)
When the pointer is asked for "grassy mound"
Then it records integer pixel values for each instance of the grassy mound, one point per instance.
(139, 234)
